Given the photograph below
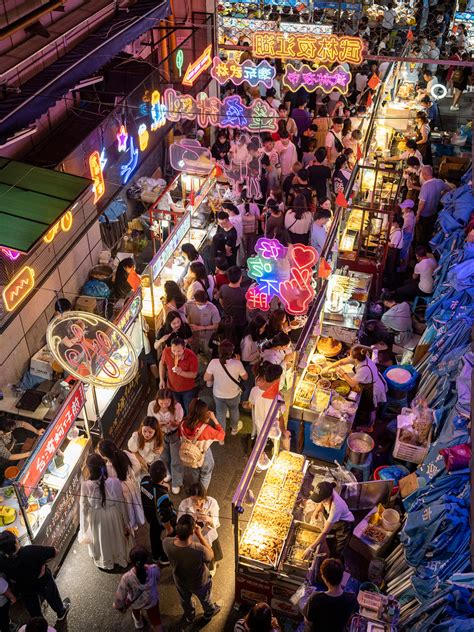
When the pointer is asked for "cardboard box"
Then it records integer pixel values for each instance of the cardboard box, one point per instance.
(86, 304)
(40, 366)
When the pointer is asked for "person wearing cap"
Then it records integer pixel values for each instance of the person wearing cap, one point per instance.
(338, 520)
(408, 231)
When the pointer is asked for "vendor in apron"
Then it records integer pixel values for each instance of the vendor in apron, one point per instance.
(338, 521)
(423, 137)
(366, 379)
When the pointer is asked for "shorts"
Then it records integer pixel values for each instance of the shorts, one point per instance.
(150, 358)
(153, 614)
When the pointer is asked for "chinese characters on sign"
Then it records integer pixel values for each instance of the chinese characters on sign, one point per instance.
(52, 439)
(306, 46)
(224, 71)
(64, 224)
(321, 78)
(18, 289)
(199, 66)
(285, 273)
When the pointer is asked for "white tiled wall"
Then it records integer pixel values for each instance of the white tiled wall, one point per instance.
(26, 333)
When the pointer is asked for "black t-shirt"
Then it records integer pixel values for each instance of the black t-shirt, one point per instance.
(330, 614)
(224, 238)
(319, 175)
(183, 332)
(157, 504)
(25, 567)
(234, 303)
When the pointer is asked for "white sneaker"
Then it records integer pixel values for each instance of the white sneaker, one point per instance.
(221, 442)
(240, 425)
(454, 108)
(175, 490)
(138, 622)
(167, 478)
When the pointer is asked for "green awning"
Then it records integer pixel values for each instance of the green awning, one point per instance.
(32, 199)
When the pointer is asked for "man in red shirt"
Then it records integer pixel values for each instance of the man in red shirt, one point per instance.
(180, 366)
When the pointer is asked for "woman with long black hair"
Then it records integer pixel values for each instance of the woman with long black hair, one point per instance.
(298, 221)
(126, 467)
(104, 520)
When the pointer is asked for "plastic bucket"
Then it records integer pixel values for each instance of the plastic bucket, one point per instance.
(390, 519)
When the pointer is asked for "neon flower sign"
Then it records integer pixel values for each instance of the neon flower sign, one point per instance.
(307, 46)
(18, 289)
(321, 78)
(96, 165)
(196, 68)
(285, 273)
(224, 71)
(13, 255)
(122, 138)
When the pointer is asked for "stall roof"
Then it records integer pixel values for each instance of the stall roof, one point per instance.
(31, 200)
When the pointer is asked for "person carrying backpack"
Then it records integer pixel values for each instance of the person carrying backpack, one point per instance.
(158, 508)
(198, 430)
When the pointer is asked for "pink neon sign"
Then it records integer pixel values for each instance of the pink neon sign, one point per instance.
(224, 71)
(9, 253)
(122, 138)
(321, 78)
(281, 272)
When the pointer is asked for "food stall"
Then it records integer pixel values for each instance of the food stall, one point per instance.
(40, 505)
(272, 518)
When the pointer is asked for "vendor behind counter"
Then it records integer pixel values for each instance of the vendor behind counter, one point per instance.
(12, 437)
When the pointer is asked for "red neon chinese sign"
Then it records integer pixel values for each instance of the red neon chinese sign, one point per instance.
(196, 68)
(285, 273)
(307, 46)
(52, 439)
(95, 168)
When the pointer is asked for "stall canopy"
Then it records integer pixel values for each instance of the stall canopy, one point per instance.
(42, 91)
(31, 200)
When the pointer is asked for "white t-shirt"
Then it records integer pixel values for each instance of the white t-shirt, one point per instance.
(339, 510)
(288, 156)
(147, 453)
(396, 238)
(409, 222)
(361, 81)
(330, 143)
(407, 154)
(298, 226)
(166, 419)
(196, 286)
(260, 407)
(223, 387)
(425, 269)
(388, 19)
(366, 373)
(318, 237)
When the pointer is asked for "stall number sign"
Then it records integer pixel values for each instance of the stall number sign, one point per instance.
(306, 46)
(52, 439)
(171, 245)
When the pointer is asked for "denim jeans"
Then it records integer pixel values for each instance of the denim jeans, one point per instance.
(249, 383)
(224, 405)
(170, 456)
(48, 592)
(203, 594)
(203, 474)
(185, 398)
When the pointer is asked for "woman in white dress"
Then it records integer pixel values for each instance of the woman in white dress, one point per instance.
(125, 466)
(104, 520)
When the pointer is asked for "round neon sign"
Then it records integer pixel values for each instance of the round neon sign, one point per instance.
(92, 349)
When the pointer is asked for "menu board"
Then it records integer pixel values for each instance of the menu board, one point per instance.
(61, 524)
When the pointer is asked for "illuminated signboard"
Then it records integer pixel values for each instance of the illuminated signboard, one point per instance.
(196, 68)
(131, 311)
(63, 224)
(179, 61)
(143, 137)
(306, 46)
(13, 255)
(170, 245)
(188, 155)
(224, 71)
(92, 349)
(18, 288)
(129, 167)
(51, 440)
(285, 273)
(157, 111)
(97, 176)
(322, 78)
(122, 138)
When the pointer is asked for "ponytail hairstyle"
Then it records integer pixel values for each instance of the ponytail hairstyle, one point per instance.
(119, 460)
(98, 472)
(139, 557)
(359, 353)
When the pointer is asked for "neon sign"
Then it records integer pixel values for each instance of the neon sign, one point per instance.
(64, 224)
(122, 138)
(128, 168)
(285, 273)
(188, 155)
(224, 71)
(157, 111)
(92, 349)
(306, 46)
(196, 68)
(96, 171)
(179, 61)
(247, 170)
(18, 288)
(231, 112)
(322, 78)
(13, 255)
(143, 137)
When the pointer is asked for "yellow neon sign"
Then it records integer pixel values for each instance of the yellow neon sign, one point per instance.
(64, 224)
(18, 288)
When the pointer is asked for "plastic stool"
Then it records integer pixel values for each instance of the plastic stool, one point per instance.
(361, 470)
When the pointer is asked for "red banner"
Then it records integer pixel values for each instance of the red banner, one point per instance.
(52, 439)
